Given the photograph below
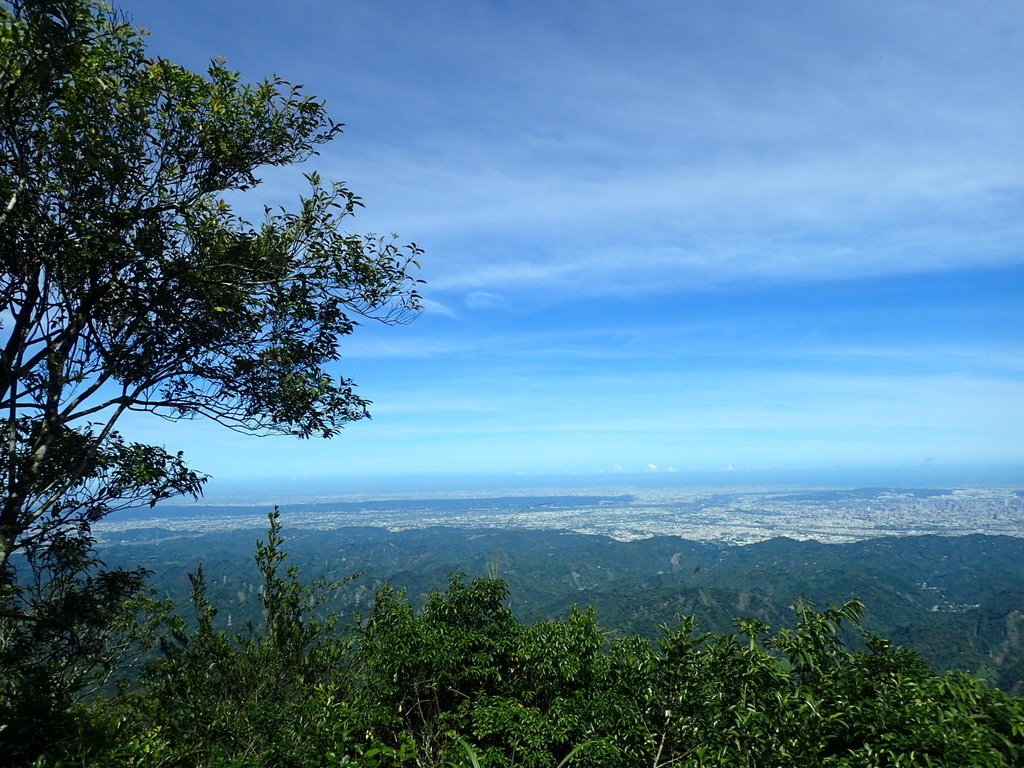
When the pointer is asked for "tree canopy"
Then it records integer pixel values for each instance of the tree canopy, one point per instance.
(461, 682)
(130, 284)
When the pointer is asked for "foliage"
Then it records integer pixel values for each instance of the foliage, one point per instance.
(273, 695)
(64, 633)
(462, 682)
(955, 600)
(465, 668)
(128, 282)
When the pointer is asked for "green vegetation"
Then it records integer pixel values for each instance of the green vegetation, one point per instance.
(130, 285)
(461, 681)
(956, 600)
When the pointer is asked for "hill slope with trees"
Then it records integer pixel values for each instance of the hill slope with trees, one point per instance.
(959, 601)
(461, 681)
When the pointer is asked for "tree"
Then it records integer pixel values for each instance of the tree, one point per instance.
(274, 694)
(129, 284)
(462, 682)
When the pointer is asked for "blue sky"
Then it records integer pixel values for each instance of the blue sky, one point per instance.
(660, 237)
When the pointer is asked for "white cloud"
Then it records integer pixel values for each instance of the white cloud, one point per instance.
(670, 147)
(434, 307)
(868, 212)
(483, 300)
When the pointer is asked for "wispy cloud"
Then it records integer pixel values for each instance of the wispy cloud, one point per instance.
(484, 300)
(825, 218)
(675, 148)
(678, 148)
(434, 307)
(667, 234)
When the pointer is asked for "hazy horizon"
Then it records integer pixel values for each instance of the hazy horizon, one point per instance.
(284, 489)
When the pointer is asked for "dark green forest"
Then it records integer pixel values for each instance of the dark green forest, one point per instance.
(958, 601)
(453, 676)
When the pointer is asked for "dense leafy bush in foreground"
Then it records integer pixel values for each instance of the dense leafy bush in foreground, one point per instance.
(463, 682)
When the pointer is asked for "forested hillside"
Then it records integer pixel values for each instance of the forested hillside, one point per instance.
(458, 680)
(957, 601)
